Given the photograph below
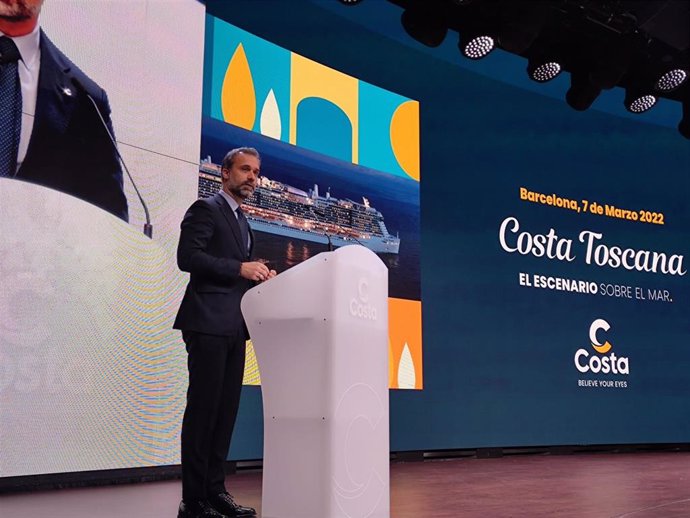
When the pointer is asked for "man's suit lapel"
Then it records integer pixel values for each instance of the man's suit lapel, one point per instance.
(231, 219)
(56, 99)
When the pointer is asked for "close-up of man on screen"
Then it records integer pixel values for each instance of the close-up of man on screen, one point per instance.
(51, 131)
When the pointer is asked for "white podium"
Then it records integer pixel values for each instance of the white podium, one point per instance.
(320, 334)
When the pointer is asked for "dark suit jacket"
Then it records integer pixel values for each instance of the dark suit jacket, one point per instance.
(69, 149)
(211, 250)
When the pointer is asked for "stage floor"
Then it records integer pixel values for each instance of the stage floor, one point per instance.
(636, 485)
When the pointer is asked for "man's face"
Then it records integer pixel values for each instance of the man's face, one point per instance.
(19, 10)
(239, 181)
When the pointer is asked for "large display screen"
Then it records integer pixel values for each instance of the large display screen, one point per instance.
(556, 244)
(92, 375)
(340, 163)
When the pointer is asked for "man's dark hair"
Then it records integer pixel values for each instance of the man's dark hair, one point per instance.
(230, 155)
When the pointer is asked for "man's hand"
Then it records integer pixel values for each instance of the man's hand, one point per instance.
(256, 271)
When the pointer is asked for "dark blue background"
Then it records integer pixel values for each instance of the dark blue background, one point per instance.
(498, 358)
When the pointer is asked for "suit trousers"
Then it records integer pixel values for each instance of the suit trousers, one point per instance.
(216, 368)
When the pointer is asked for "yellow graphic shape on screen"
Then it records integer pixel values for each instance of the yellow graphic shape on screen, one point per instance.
(251, 367)
(602, 348)
(405, 332)
(310, 79)
(238, 98)
(405, 137)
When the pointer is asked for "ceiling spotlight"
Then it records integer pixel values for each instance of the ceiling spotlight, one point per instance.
(424, 27)
(543, 72)
(639, 103)
(476, 46)
(671, 80)
(523, 26)
(350, 2)
(582, 92)
(611, 62)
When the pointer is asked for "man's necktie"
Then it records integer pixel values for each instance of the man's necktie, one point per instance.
(10, 106)
(244, 228)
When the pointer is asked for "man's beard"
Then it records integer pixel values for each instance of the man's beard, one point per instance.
(237, 191)
(18, 12)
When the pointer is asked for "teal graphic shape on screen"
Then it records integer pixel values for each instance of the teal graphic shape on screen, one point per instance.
(334, 138)
(270, 68)
(376, 110)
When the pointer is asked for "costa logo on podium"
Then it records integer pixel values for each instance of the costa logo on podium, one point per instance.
(601, 363)
(359, 306)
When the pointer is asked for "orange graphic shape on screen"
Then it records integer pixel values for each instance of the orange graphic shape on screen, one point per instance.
(238, 98)
(405, 335)
(405, 137)
(405, 368)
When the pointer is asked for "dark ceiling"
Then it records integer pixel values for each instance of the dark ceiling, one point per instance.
(603, 44)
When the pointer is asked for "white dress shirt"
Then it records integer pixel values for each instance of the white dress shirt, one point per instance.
(234, 206)
(29, 67)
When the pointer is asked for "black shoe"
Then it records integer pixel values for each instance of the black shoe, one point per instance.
(223, 503)
(199, 509)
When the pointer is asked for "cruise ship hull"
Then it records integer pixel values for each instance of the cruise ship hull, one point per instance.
(284, 210)
(374, 243)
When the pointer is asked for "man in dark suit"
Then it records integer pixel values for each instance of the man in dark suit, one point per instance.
(215, 248)
(65, 145)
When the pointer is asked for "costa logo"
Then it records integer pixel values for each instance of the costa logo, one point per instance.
(602, 362)
(359, 306)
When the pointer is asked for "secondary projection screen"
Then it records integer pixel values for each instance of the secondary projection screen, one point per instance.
(92, 375)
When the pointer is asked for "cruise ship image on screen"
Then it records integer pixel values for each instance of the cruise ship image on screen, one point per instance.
(277, 208)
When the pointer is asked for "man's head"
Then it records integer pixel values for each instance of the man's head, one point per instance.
(240, 172)
(19, 17)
